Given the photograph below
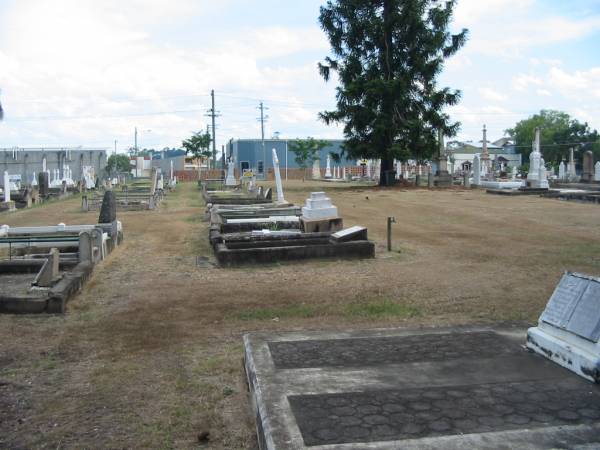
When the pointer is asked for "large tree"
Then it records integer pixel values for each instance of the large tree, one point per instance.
(558, 133)
(387, 55)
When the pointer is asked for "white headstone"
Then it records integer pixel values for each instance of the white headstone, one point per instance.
(328, 168)
(6, 186)
(230, 179)
(172, 171)
(477, 169)
(369, 169)
(597, 171)
(543, 178)
(34, 181)
(572, 172)
(562, 171)
(280, 198)
(319, 206)
(344, 171)
(514, 173)
(533, 176)
(44, 164)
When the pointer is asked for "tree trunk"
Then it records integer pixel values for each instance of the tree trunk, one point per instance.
(387, 164)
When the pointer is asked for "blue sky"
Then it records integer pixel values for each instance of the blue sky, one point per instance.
(83, 72)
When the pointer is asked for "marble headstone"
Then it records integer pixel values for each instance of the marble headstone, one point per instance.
(568, 330)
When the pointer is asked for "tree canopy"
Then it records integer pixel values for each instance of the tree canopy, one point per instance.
(307, 150)
(118, 163)
(198, 145)
(387, 55)
(558, 133)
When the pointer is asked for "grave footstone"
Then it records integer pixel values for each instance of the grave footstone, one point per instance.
(85, 247)
(568, 330)
(355, 233)
(108, 211)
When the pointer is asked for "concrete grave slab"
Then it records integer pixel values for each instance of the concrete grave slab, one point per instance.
(450, 388)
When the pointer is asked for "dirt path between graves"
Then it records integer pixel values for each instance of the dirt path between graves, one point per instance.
(149, 354)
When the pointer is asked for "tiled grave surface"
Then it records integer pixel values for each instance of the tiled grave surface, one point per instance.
(403, 389)
(388, 350)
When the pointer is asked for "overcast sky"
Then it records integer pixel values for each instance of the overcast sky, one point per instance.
(86, 72)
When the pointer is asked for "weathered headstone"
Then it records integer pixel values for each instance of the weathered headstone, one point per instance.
(268, 194)
(230, 178)
(597, 172)
(316, 169)
(476, 170)
(562, 171)
(85, 247)
(572, 172)
(108, 211)
(568, 330)
(6, 186)
(587, 175)
(50, 270)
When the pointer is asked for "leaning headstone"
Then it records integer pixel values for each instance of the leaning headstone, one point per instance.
(568, 330)
(278, 183)
(269, 194)
(588, 167)
(108, 211)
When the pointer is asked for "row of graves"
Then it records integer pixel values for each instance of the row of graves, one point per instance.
(566, 185)
(41, 268)
(445, 388)
(43, 186)
(248, 227)
(140, 195)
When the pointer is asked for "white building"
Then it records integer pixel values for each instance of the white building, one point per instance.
(502, 154)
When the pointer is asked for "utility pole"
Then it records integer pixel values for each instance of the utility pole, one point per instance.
(213, 115)
(116, 146)
(135, 142)
(262, 119)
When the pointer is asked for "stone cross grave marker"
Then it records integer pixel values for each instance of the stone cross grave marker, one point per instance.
(568, 331)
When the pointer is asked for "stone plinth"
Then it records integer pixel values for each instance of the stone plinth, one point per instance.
(321, 225)
(319, 206)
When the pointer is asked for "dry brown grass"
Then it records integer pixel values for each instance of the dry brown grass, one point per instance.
(149, 354)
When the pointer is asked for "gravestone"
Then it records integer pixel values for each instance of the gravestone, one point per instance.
(108, 211)
(328, 168)
(85, 247)
(562, 171)
(476, 169)
(568, 330)
(319, 206)
(269, 194)
(278, 183)
(50, 270)
(587, 175)
(43, 184)
(597, 172)
(316, 169)
(320, 215)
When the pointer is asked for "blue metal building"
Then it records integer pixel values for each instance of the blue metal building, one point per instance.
(250, 154)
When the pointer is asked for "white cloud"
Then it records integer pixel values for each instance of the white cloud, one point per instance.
(523, 82)
(491, 95)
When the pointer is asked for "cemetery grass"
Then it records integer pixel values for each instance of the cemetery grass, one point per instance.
(149, 354)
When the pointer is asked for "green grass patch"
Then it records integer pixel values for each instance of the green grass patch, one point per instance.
(380, 308)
